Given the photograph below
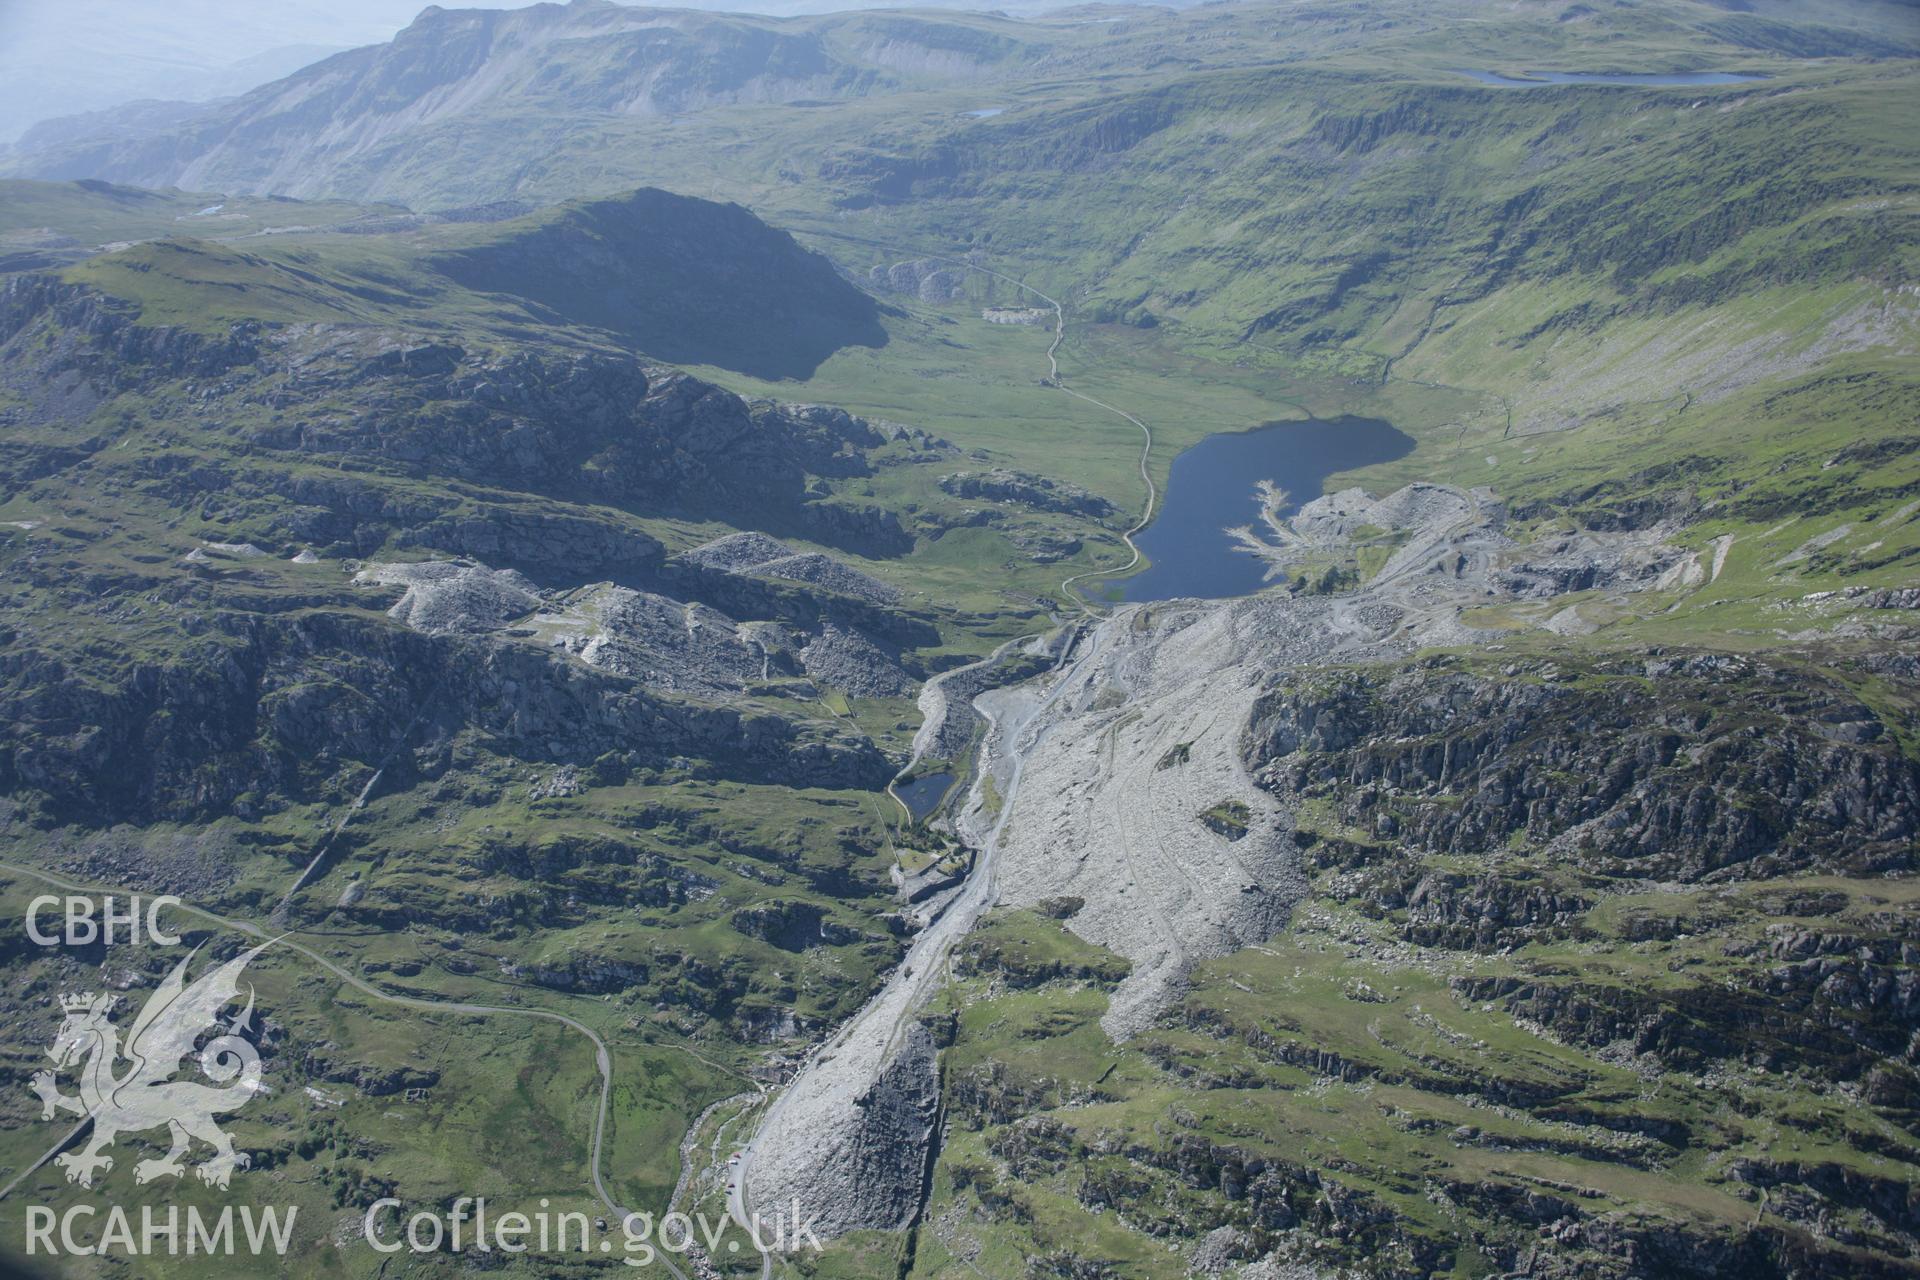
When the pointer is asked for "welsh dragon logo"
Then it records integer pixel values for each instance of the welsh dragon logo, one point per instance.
(144, 1095)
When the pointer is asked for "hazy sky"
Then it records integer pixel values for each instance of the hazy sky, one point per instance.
(59, 57)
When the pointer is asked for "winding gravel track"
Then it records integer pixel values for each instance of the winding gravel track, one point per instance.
(1146, 447)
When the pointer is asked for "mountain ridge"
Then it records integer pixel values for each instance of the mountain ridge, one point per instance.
(614, 61)
(684, 280)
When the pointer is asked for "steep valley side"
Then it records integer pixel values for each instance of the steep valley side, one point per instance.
(1202, 785)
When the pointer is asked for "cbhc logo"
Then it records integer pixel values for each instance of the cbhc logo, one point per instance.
(85, 925)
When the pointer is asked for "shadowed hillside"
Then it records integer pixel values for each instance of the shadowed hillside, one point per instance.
(681, 279)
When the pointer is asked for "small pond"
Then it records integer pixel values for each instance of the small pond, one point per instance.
(922, 795)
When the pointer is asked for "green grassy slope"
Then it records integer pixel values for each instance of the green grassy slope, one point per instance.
(1618, 307)
(1327, 200)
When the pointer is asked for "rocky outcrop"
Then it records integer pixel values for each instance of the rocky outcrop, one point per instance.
(824, 571)
(565, 427)
(551, 545)
(758, 554)
(1486, 913)
(791, 925)
(585, 973)
(66, 349)
(1019, 969)
(100, 335)
(602, 426)
(1038, 492)
(374, 1081)
(930, 881)
(1891, 598)
(266, 710)
(1683, 767)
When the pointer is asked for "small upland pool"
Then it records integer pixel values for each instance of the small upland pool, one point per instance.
(922, 795)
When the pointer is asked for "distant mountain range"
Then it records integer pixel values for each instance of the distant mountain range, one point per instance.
(589, 56)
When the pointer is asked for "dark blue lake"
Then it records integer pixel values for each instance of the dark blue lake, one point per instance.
(923, 794)
(1213, 488)
(1537, 79)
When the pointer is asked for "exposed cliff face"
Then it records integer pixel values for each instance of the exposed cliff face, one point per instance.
(601, 429)
(1689, 767)
(81, 344)
(1547, 788)
(1571, 937)
(247, 713)
(1677, 864)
